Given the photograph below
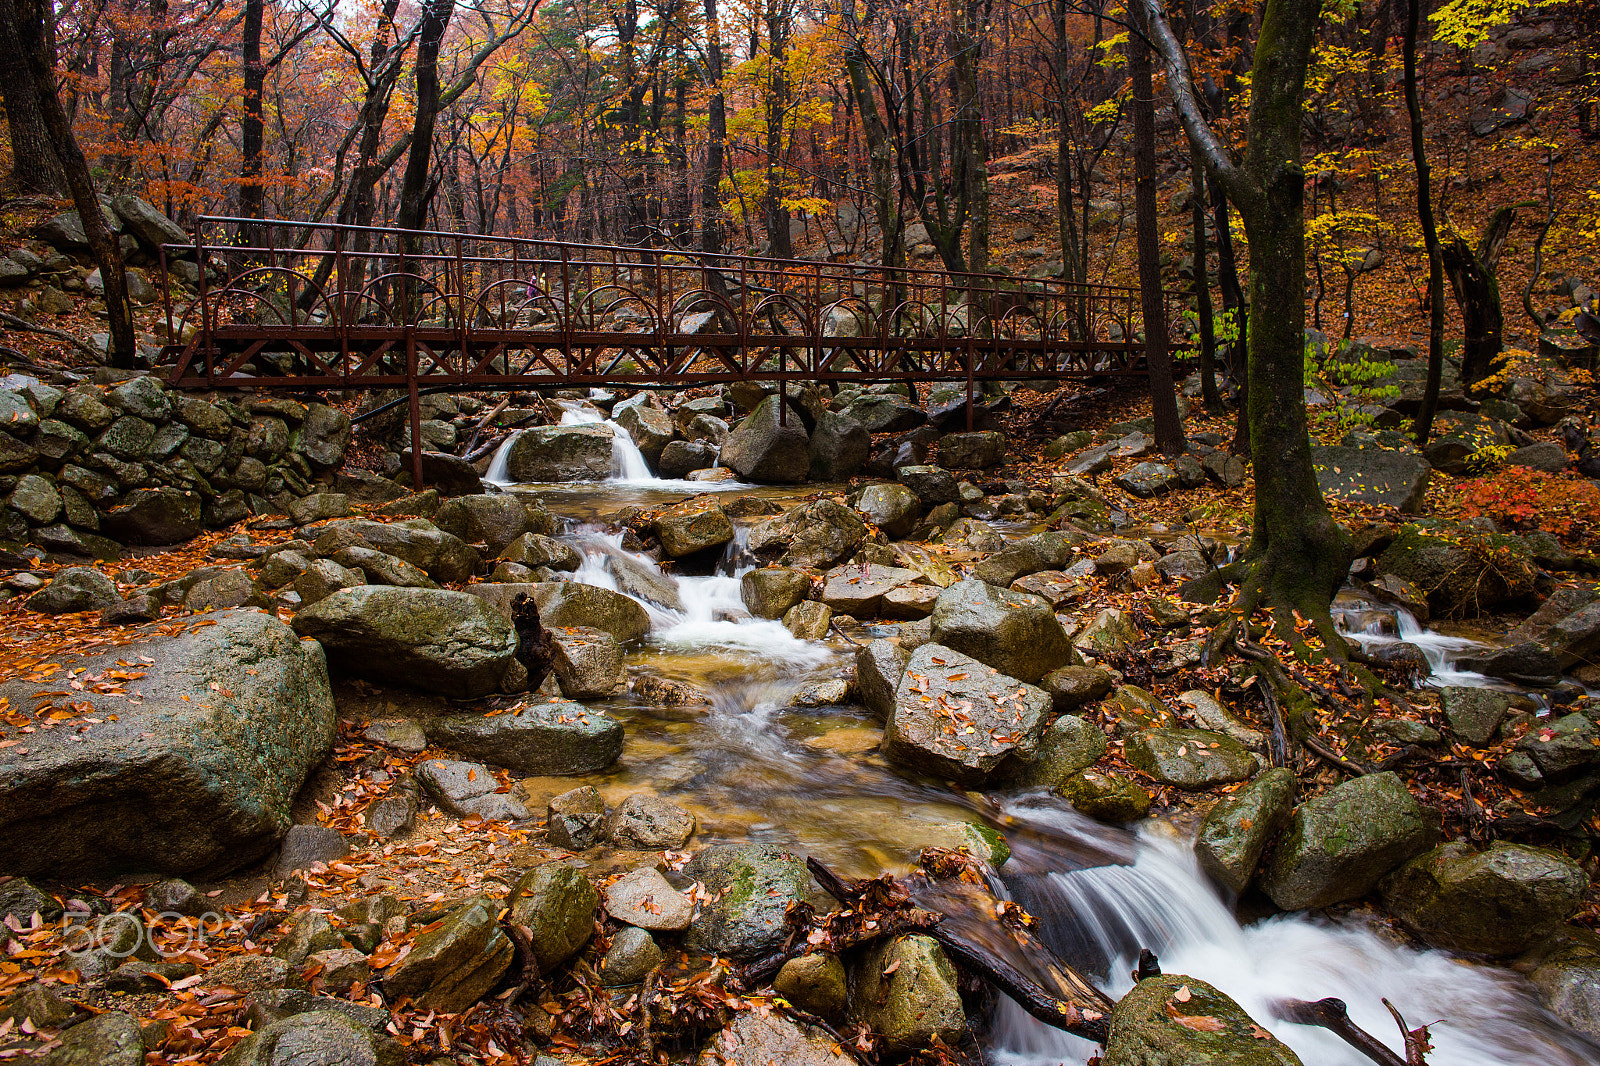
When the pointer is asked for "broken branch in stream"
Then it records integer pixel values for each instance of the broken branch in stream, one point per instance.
(1331, 1015)
(880, 907)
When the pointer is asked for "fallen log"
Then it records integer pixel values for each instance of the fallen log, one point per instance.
(1330, 1014)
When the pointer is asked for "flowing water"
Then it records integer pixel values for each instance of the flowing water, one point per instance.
(758, 764)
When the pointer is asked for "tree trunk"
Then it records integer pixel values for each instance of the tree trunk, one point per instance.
(880, 157)
(415, 189)
(35, 23)
(1298, 556)
(777, 215)
(972, 164)
(1233, 300)
(1158, 357)
(1477, 291)
(1066, 220)
(1209, 392)
(251, 124)
(35, 170)
(1430, 230)
(712, 238)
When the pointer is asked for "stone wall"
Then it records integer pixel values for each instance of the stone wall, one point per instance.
(86, 468)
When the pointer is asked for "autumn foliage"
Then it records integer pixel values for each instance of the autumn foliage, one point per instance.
(1523, 500)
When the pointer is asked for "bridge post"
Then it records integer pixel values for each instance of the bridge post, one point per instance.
(415, 410)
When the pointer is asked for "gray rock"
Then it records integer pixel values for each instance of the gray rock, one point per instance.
(1109, 633)
(1499, 901)
(649, 823)
(906, 991)
(110, 1039)
(570, 604)
(1070, 745)
(495, 521)
(763, 1039)
(989, 717)
(769, 592)
(468, 790)
(147, 223)
(319, 507)
(1041, 552)
(1209, 714)
(576, 819)
(1546, 455)
(892, 508)
(35, 499)
(1015, 633)
(972, 451)
(1570, 989)
(631, 957)
(1148, 479)
(324, 436)
(1148, 1028)
(695, 525)
(1237, 829)
(815, 982)
(393, 815)
(839, 447)
(762, 450)
(534, 550)
(78, 588)
(432, 639)
(251, 973)
(37, 1003)
(750, 888)
(1071, 687)
(1474, 713)
(453, 964)
(814, 535)
(556, 904)
(587, 663)
(681, 458)
(860, 590)
(1372, 475)
(561, 454)
(381, 568)
(879, 666)
(808, 620)
(878, 413)
(1191, 759)
(643, 898)
(306, 845)
(1341, 843)
(22, 899)
(446, 558)
(1575, 638)
(1455, 581)
(154, 516)
(650, 428)
(310, 933)
(233, 717)
(1564, 748)
(323, 578)
(556, 737)
(932, 485)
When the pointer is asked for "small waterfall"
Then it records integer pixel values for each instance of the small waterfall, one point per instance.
(1097, 918)
(1371, 626)
(692, 612)
(496, 474)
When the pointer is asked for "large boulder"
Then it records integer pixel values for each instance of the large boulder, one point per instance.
(967, 451)
(454, 961)
(556, 737)
(195, 776)
(324, 1037)
(561, 453)
(880, 664)
(749, 889)
(1237, 829)
(1173, 1020)
(762, 450)
(769, 592)
(109, 1039)
(146, 222)
(1043, 551)
(907, 991)
(446, 558)
(1499, 901)
(695, 525)
(1565, 748)
(839, 447)
(814, 535)
(555, 903)
(587, 663)
(466, 790)
(765, 1038)
(879, 413)
(1191, 759)
(1015, 633)
(1455, 581)
(1070, 746)
(154, 516)
(78, 588)
(952, 718)
(1575, 637)
(495, 521)
(435, 640)
(892, 508)
(572, 604)
(650, 428)
(1341, 843)
(860, 590)
(1381, 477)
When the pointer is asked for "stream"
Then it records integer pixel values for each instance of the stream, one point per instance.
(765, 764)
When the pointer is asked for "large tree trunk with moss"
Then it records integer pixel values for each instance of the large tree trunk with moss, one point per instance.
(35, 170)
(1298, 556)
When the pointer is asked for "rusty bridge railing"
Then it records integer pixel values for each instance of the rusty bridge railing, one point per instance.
(302, 305)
